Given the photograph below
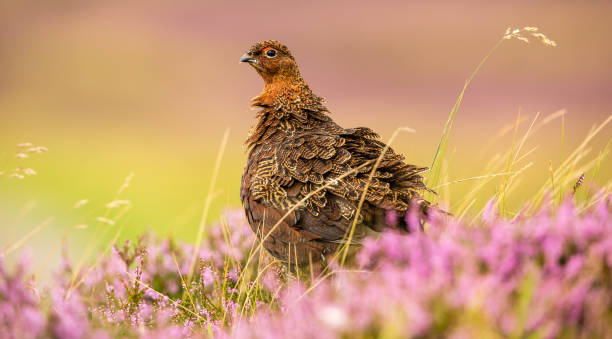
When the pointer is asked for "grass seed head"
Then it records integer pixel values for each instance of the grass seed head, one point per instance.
(523, 39)
(545, 40)
(519, 34)
(126, 183)
(105, 221)
(117, 203)
(37, 149)
(28, 171)
(80, 203)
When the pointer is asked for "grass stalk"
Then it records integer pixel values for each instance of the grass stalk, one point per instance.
(442, 144)
(207, 203)
(561, 172)
(17, 244)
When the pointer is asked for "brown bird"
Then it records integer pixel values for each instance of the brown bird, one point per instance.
(300, 160)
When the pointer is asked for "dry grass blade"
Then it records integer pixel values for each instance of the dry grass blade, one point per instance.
(552, 178)
(17, 244)
(500, 134)
(570, 162)
(465, 209)
(185, 286)
(96, 236)
(250, 288)
(524, 138)
(602, 155)
(486, 176)
(512, 151)
(495, 163)
(434, 177)
(441, 149)
(526, 154)
(207, 203)
(168, 298)
(74, 285)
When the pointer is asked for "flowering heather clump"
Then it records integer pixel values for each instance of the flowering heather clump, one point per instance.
(20, 316)
(138, 290)
(546, 275)
(147, 286)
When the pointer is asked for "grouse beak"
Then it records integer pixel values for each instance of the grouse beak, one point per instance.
(248, 59)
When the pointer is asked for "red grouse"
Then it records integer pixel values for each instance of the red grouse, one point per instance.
(298, 155)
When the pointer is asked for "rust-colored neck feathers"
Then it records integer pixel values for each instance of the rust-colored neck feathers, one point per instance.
(282, 87)
(287, 102)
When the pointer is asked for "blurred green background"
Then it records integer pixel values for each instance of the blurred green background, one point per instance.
(113, 88)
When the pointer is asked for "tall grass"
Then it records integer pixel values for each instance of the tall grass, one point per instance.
(433, 178)
(208, 201)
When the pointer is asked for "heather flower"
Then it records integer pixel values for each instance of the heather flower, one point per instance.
(421, 281)
(207, 276)
(545, 274)
(68, 314)
(20, 315)
(391, 218)
(233, 275)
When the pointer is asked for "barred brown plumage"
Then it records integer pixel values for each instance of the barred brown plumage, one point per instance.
(297, 152)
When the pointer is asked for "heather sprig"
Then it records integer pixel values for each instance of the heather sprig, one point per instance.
(545, 274)
(145, 285)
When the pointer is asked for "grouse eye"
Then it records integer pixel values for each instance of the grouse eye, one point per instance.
(271, 53)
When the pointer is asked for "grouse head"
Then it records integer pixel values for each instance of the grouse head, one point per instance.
(273, 61)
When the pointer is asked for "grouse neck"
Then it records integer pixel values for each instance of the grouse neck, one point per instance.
(281, 90)
(288, 107)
